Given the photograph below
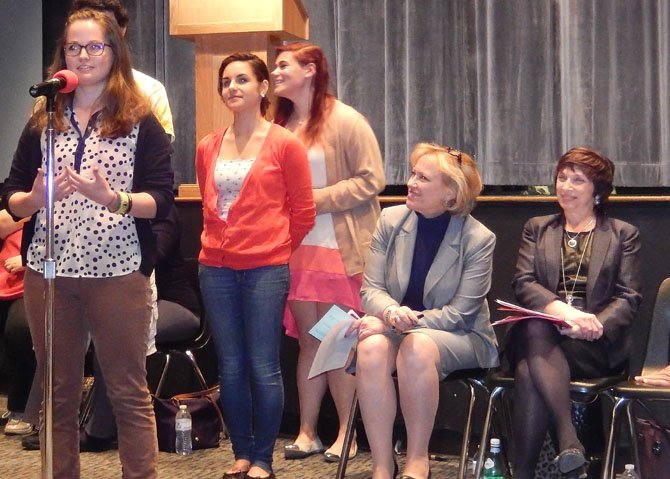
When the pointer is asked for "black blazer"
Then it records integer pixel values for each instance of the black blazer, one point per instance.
(613, 280)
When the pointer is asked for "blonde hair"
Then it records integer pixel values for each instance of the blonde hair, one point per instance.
(459, 173)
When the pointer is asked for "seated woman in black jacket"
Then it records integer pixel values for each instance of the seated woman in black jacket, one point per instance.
(585, 267)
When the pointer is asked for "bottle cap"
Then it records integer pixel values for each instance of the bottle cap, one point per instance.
(495, 441)
(629, 467)
(182, 407)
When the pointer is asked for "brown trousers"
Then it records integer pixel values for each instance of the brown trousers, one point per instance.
(116, 313)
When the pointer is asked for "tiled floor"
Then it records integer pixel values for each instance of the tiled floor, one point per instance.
(206, 464)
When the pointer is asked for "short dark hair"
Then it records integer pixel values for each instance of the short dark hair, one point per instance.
(258, 66)
(114, 6)
(595, 166)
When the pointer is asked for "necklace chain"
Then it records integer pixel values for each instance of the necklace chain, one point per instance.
(570, 297)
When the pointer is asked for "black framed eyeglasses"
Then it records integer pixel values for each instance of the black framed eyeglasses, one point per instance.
(456, 154)
(93, 49)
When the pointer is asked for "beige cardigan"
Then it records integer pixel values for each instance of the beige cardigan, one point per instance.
(355, 176)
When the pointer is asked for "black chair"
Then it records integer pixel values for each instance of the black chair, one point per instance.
(184, 349)
(626, 394)
(191, 341)
(469, 378)
(583, 392)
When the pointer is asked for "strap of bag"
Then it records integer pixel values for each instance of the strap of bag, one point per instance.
(197, 394)
(206, 394)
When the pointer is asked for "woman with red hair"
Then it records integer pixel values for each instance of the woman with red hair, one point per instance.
(347, 175)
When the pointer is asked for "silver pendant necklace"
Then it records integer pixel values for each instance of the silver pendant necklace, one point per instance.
(570, 297)
(572, 240)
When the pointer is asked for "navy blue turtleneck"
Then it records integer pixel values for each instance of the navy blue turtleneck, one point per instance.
(429, 235)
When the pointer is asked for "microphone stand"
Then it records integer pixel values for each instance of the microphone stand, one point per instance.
(49, 277)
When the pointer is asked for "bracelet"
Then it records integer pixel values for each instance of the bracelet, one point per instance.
(386, 317)
(125, 203)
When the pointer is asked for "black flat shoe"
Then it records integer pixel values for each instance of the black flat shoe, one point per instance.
(31, 442)
(293, 451)
(330, 456)
(405, 476)
(571, 461)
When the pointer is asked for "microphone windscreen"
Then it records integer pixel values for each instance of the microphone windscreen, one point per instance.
(71, 80)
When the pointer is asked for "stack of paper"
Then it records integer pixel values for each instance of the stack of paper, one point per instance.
(523, 313)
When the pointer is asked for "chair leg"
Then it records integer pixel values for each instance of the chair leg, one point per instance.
(191, 358)
(497, 391)
(466, 433)
(610, 449)
(161, 381)
(633, 434)
(348, 439)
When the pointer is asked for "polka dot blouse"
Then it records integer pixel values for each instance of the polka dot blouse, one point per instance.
(89, 241)
(229, 176)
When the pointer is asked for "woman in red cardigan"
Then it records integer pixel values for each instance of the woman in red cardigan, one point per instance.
(257, 206)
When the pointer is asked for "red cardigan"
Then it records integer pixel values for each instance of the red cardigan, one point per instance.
(273, 212)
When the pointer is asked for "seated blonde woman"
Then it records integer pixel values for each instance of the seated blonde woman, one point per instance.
(424, 291)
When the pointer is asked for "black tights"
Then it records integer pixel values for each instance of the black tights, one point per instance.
(541, 394)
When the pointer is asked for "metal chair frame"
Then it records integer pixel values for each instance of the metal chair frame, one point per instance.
(584, 392)
(469, 378)
(626, 394)
(184, 350)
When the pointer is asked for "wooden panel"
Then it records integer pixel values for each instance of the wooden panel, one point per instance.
(211, 114)
(188, 191)
(296, 20)
(205, 17)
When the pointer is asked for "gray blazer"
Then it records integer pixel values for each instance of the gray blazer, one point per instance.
(612, 282)
(455, 287)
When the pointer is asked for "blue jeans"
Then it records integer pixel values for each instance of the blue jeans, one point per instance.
(244, 310)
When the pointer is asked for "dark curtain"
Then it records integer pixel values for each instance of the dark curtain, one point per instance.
(515, 82)
(171, 61)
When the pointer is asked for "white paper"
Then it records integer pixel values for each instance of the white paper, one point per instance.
(333, 316)
(334, 350)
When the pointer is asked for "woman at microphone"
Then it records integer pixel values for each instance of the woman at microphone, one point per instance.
(113, 174)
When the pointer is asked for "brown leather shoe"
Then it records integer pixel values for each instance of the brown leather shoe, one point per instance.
(235, 475)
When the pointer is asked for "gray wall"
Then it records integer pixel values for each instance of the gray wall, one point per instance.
(21, 66)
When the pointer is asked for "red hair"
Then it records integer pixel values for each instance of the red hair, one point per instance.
(322, 99)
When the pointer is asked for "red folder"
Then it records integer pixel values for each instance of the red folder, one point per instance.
(524, 313)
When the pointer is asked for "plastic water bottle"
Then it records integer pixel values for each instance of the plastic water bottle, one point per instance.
(182, 429)
(629, 472)
(493, 464)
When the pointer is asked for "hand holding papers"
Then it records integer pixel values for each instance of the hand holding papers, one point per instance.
(335, 348)
(524, 313)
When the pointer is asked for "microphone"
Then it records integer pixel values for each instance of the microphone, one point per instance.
(63, 81)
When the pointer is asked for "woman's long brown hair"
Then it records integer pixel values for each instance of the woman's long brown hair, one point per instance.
(123, 103)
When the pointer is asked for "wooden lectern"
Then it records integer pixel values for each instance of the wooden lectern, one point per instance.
(222, 27)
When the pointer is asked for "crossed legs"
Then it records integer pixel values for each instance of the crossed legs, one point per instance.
(541, 384)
